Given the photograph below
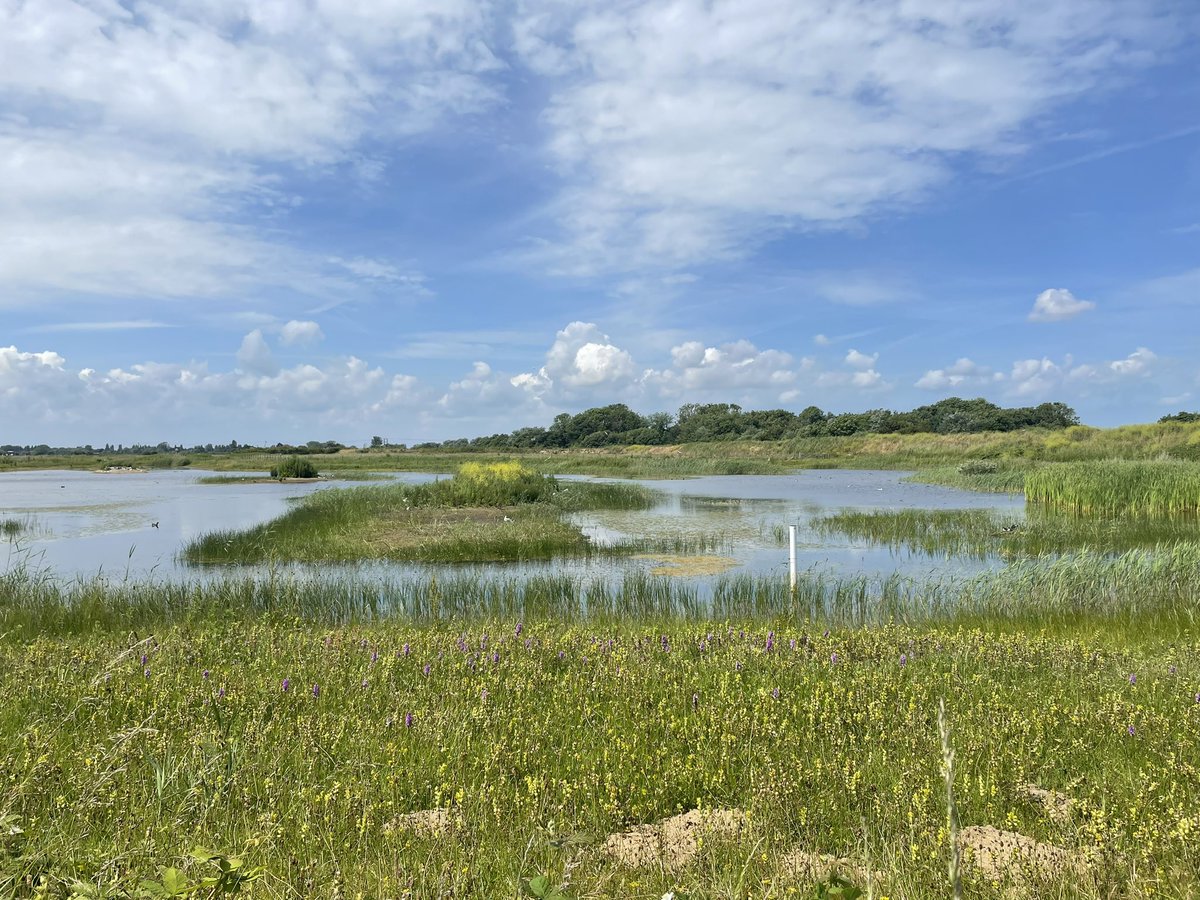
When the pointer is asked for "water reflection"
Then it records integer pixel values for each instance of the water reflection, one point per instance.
(93, 523)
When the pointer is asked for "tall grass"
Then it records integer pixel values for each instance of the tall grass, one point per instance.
(987, 534)
(494, 512)
(1151, 587)
(1118, 487)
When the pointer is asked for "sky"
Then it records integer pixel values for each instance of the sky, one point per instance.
(276, 220)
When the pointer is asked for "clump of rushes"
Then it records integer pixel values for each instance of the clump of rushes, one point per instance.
(1118, 487)
(294, 467)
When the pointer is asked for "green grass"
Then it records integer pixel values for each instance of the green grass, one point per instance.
(477, 516)
(139, 719)
(983, 534)
(10, 528)
(122, 753)
(1118, 487)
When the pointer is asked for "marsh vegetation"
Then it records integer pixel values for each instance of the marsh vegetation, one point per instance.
(483, 733)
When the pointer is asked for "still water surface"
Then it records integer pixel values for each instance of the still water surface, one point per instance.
(79, 524)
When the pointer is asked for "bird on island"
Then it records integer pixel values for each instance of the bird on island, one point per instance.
(153, 524)
(507, 519)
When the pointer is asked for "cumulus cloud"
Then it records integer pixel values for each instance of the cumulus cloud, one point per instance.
(1034, 376)
(737, 367)
(1057, 305)
(964, 372)
(300, 333)
(857, 360)
(255, 357)
(1136, 363)
(581, 357)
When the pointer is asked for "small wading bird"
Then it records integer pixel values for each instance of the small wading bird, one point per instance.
(153, 524)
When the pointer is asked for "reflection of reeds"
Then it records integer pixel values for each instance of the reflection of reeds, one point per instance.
(985, 534)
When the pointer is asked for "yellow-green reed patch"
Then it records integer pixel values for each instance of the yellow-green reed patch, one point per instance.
(1118, 487)
(302, 749)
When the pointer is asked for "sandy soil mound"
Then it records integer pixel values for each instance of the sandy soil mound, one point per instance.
(673, 842)
(1000, 855)
(424, 822)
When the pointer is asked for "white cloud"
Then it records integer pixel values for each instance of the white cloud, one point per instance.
(136, 146)
(255, 357)
(1136, 363)
(1034, 377)
(581, 357)
(690, 131)
(857, 360)
(734, 368)
(300, 333)
(821, 340)
(964, 372)
(1057, 305)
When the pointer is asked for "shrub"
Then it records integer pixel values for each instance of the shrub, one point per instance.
(294, 467)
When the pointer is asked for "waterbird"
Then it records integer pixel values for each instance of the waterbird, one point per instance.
(153, 524)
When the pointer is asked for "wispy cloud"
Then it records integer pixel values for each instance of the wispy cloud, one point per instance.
(128, 325)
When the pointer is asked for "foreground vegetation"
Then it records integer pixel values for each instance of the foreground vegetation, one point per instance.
(460, 738)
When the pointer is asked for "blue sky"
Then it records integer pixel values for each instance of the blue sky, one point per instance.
(327, 220)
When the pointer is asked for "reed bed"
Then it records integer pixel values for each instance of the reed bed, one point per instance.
(493, 512)
(987, 534)
(1118, 487)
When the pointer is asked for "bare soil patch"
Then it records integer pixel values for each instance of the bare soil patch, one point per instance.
(673, 842)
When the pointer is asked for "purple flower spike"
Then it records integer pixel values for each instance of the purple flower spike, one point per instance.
(1171, 670)
(695, 700)
(833, 658)
(285, 684)
(143, 659)
(147, 672)
(520, 627)
(207, 674)
(1131, 731)
(483, 695)
(316, 690)
(374, 656)
(425, 671)
(770, 641)
(792, 644)
(406, 649)
(775, 693)
(904, 659)
(221, 693)
(1132, 679)
(408, 720)
(364, 684)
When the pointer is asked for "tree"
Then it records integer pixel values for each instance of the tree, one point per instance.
(377, 441)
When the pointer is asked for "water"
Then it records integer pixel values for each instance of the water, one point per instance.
(79, 524)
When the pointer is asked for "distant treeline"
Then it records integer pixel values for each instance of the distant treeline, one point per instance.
(1181, 417)
(618, 424)
(165, 448)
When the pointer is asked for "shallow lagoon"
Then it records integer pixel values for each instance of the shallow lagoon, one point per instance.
(79, 524)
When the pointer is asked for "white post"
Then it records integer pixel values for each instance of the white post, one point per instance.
(792, 555)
